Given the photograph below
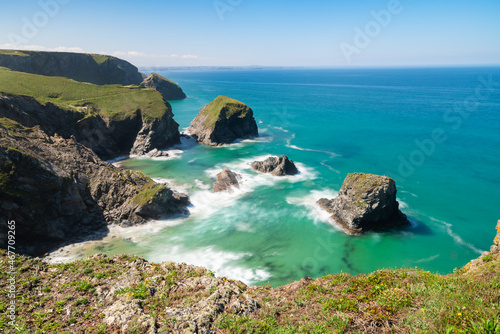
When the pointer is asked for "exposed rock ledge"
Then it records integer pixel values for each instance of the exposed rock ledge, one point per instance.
(222, 121)
(279, 166)
(365, 202)
(56, 188)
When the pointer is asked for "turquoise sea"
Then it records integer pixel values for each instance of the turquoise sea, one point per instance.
(436, 131)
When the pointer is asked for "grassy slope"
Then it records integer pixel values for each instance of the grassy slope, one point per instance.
(112, 101)
(222, 107)
(385, 301)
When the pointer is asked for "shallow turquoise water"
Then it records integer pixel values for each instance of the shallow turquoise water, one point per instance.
(333, 122)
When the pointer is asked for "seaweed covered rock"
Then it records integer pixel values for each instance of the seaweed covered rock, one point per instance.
(225, 180)
(169, 89)
(222, 121)
(279, 166)
(365, 202)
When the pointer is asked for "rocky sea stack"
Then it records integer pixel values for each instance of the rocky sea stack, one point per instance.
(225, 180)
(222, 121)
(169, 89)
(365, 202)
(279, 166)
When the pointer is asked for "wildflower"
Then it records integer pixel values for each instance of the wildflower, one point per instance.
(459, 314)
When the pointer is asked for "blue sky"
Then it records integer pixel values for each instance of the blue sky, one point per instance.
(258, 32)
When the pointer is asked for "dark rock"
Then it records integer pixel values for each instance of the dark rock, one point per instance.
(96, 69)
(56, 189)
(365, 202)
(225, 180)
(169, 89)
(222, 121)
(155, 153)
(276, 166)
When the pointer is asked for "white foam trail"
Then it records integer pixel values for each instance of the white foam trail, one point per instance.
(314, 211)
(456, 237)
(295, 147)
(220, 262)
(200, 184)
(172, 184)
(281, 129)
(402, 205)
(429, 259)
(116, 161)
(330, 168)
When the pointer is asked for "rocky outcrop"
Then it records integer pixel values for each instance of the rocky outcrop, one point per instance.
(225, 180)
(97, 69)
(56, 188)
(169, 89)
(279, 166)
(108, 138)
(365, 202)
(222, 121)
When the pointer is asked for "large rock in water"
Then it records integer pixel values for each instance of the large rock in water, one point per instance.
(93, 68)
(225, 180)
(276, 166)
(222, 121)
(365, 202)
(169, 89)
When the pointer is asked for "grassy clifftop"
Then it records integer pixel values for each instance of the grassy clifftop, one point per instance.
(103, 295)
(223, 107)
(113, 101)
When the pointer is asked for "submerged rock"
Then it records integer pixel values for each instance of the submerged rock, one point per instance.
(156, 153)
(225, 180)
(222, 121)
(279, 166)
(365, 202)
(169, 89)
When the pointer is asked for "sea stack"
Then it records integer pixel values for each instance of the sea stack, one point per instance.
(169, 89)
(365, 202)
(222, 121)
(225, 180)
(279, 166)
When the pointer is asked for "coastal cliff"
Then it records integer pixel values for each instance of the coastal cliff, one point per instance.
(222, 121)
(169, 89)
(56, 188)
(93, 68)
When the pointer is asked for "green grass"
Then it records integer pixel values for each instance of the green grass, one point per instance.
(148, 193)
(223, 107)
(113, 101)
(13, 53)
(99, 59)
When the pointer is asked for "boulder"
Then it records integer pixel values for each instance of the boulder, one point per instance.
(169, 89)
(225, 180)
(276, 166)
(156, 153)
(365, 202)
(222, 121)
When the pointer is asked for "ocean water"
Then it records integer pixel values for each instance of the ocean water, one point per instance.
(436, 131)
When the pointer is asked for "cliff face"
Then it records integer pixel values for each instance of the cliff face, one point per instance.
(169, 89)
(56, 188)
(222, 121)
(97, 69)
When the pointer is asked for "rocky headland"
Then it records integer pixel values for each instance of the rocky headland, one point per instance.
(225, 180)
(365, 202)
(278, 166)
(56, 188)
(222, 121)
(169, 89)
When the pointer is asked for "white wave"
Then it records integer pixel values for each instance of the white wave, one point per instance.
(402, 205)
(456, 237)
(116, 161)
(221, 262)
(245, 227)
(314, 211)
(174, 185)
(281, 129)
(200, 184)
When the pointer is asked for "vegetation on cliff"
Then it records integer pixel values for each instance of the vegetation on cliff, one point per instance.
(126, 293)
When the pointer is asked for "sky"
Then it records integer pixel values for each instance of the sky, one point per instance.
(333, 33)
